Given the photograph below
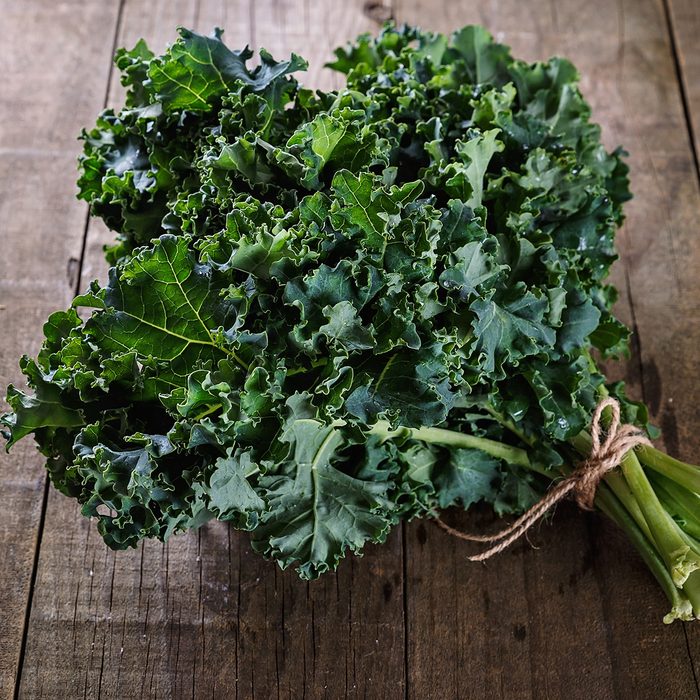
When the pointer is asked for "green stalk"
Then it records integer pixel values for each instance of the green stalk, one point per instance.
(208, 411)
(691, 588)
(690, 541)
(617, 500)
(681, 607)
(315, 364)
(619, 487)
(686, 475)
(679, 557)
(451, 438)
(509, 424)
(624, 509)
(679, 502)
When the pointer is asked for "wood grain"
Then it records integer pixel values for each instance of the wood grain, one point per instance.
(203, 616)
(584, 597)
(684, 20)
(51, 84)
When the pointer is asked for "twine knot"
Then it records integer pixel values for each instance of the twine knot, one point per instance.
(606, 454)
(582, 483)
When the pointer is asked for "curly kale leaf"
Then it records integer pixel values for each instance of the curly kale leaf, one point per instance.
(196, 70)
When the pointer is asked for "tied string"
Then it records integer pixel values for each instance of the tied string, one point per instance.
(605, 455)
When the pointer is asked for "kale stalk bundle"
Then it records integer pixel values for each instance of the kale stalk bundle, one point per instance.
(330, 312)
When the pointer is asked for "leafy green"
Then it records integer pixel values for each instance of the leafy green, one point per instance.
(162, 304)
(328, 312)
(197, 70)
(315, 510)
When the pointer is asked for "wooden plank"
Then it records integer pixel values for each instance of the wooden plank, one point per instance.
(672, 374)
(684, 18)
(50, 86)
(204, 616)
(580, 617)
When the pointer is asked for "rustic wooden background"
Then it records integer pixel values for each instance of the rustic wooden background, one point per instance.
(577, 616)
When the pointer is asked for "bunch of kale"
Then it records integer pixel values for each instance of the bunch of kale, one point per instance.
(328, 312)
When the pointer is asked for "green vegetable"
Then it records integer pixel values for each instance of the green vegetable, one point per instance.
(328, 312)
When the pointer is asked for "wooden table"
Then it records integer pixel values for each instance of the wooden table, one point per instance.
(578, 616)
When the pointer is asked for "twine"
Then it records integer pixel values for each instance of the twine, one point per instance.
(582, 483)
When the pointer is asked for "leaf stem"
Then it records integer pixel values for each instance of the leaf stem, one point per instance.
(508, 424)
(209, 410)
(629, 499)
(315, 364)
(616, 482)
(686, 475)
(451, 438)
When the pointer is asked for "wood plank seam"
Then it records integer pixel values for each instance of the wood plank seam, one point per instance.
(47, 483)
(392, 7)
(32, 583)
(682, 90)
(691, 657)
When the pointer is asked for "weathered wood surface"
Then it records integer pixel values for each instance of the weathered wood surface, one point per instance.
(203, 616)
(684, 26)
(54, 59)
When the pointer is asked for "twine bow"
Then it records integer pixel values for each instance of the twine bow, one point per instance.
(605, 455)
